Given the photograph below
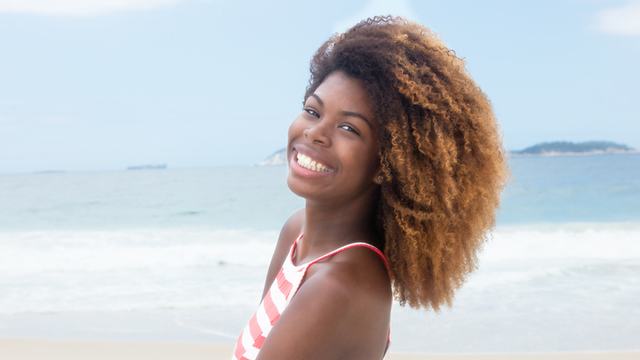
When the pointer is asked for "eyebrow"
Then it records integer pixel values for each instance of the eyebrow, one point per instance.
(346, 113)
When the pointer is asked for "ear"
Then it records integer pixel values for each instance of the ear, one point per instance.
(378, 177)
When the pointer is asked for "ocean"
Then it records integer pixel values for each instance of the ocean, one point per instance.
(181, 254)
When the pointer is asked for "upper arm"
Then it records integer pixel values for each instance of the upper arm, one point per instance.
(290, 230)
(315, 325)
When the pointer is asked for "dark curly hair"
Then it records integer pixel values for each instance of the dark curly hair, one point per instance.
(440, 152)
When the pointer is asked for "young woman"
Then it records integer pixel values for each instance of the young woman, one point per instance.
(398, 156)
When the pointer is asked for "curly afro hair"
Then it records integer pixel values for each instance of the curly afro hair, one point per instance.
(440, 153)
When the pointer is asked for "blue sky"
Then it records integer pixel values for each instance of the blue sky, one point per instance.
(99, 84)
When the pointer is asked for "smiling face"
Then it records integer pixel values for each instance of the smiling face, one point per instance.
(332, 148)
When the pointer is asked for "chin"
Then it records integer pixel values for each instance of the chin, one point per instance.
(294, 188)
(299, 188)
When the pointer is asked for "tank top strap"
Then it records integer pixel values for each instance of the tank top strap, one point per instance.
(349, 246)
(294, 245)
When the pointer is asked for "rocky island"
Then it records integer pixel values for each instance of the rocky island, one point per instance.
(277, 158)
(557, 148)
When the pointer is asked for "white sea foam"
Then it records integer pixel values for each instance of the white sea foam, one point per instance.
(615, 240)
(131, 269)
(199, 268)
(530, 279)
(24, 253)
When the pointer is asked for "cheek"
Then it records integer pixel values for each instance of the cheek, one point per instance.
(295, 129)
(362, 158)
(372, 160)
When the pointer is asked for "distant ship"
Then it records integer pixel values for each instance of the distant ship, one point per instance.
(49, 172)
(147, 167)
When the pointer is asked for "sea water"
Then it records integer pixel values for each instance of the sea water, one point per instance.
(182, 254)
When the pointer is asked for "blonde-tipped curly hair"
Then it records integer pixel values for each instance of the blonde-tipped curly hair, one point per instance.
(440, 152)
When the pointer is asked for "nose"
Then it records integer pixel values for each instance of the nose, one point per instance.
(317, 134)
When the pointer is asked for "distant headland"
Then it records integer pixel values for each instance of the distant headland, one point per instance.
(279, 157)
(564, 148)
(553, 148)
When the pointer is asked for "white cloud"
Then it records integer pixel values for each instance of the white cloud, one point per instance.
(622, 20)
(79, 7)
(377, 7)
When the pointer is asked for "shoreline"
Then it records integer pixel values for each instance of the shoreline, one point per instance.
(32, 349)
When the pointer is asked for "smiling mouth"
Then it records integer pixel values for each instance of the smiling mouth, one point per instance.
(310, 164)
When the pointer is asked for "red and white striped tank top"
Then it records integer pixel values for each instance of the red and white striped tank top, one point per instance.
(275, 301)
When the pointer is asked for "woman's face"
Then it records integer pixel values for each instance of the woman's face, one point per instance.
(336, 129)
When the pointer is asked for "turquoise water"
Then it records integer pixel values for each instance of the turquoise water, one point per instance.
(181, 254)
(542, 189)
(573, 188)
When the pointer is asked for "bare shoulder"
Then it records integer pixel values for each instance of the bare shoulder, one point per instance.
(363, 271)
(333, 315)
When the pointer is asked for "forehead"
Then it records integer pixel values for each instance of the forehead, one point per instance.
(345, 93)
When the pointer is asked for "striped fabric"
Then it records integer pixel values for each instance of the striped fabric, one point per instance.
(278, 297)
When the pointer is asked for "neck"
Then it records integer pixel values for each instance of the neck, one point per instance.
(329, 226)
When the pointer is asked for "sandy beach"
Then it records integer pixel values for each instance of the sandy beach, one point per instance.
(27, 349)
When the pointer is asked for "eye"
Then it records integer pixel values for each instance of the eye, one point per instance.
(311, 112)
(349, 127)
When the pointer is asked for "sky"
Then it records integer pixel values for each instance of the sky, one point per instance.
(90, 85)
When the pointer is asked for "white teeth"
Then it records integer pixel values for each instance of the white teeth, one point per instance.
(308, 163)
